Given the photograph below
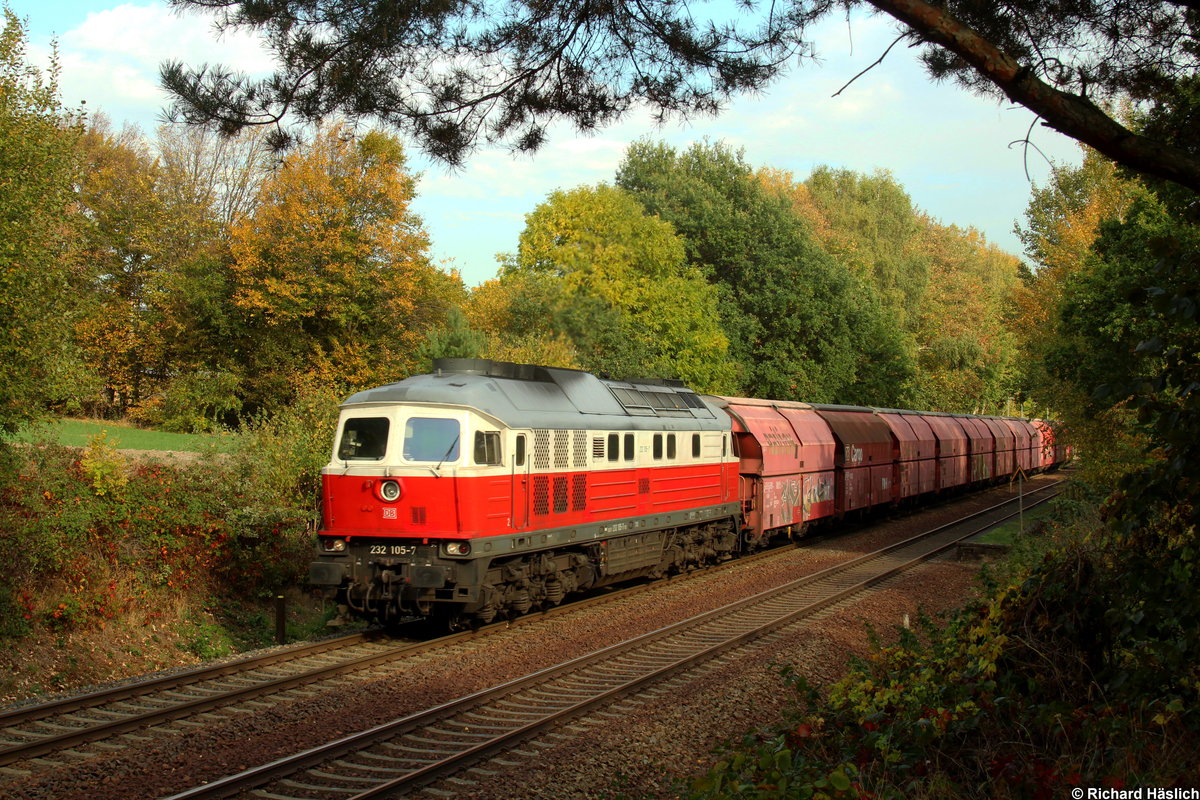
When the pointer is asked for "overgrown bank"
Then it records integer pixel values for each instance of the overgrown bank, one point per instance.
(117, 565)
(1080, 668)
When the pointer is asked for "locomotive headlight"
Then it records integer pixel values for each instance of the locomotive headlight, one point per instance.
(389, 491)
(458, 548)
(333, 545)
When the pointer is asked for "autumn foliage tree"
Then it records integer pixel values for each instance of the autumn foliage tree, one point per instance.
(330, 272)
(616, 282)
(121, 224)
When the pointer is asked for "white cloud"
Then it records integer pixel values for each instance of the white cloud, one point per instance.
(111, 59)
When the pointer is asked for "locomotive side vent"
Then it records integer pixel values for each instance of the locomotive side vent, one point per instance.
(418, 515)
(579, 452)
(541, 449)
(562, 446)
(643, 486)
(560, 494)
(578, 492)
(598, 448)
(541, 495)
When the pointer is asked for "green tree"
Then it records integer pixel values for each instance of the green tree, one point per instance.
(799, 324)
(968, 353)
(1063, 222)
(874, 230)
(455, 339)
(621, 289)
(515, 312)
(38, 364)
(206, 183)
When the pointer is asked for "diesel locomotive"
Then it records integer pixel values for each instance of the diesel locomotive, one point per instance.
(487, 489)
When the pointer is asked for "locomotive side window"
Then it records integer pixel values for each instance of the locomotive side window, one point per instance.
(629, 447)
(364, 439)
(614, 447)
(695, 445)
(671, 445)
(520, 456)
(427, 439)
(657, 446)
(487, 447)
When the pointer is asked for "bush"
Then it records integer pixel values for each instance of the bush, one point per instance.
(194, 402)
(1084, 672)
(282, 453)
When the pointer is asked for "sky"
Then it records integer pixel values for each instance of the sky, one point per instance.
(953, 152)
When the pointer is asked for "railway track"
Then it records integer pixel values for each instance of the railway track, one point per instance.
(36, 731)
(406, 754)
(32, 731)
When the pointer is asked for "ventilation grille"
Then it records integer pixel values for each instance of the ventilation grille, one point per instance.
(578, 492)
(579, 452)
(541, 449)
(560, 494)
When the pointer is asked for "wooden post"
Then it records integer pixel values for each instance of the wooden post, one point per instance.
(280, 619)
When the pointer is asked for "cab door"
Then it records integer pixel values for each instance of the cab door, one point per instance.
(520, 483)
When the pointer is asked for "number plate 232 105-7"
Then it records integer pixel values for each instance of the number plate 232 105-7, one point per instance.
(393, 550)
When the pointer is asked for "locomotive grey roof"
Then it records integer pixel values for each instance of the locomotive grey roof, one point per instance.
(528, 396)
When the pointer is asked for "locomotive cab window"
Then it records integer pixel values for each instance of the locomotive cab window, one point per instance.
(364, 439)
(431, 440)
(487, 447)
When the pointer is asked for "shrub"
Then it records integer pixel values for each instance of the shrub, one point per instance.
(104, 466)
(1083, 672)
(193, 402)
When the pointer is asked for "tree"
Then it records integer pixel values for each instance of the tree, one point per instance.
(330, 271)
(37, 289)
(1064, 222)
(206, 184)
(799, 324)
(621, 291)
(874, 229)
(455, 339)
(457, 72)
(514, 312)
(121, 223)
(968, 351)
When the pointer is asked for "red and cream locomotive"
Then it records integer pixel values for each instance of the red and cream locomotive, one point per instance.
(487, 488)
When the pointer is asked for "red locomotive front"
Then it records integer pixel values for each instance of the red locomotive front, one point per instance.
(490, 488)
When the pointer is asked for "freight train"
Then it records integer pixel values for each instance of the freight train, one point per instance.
(487, 489)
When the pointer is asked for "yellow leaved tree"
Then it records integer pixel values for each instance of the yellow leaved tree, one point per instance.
(331, 273)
